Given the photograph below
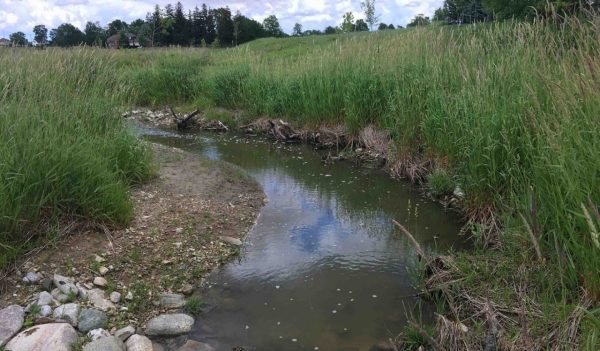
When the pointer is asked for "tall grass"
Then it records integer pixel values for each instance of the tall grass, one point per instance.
(512, 109)
(64, 148)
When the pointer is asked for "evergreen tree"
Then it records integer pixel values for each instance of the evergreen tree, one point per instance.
(180, 35)
(210, 30)
(225, 26)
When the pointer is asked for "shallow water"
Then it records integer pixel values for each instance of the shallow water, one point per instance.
(323, 268)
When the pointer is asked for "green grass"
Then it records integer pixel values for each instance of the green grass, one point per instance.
(64, 148)
(512, 108)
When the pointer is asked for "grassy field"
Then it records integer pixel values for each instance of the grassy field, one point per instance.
(508, 112)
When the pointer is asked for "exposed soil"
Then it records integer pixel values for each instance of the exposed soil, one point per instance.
(174, 240)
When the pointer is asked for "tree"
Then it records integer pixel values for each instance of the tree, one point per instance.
(473, 13)
(419, 20)
(142, 30)
(271, 25)
(297, 30)
(330, 30)
(391, 26)
(247, 29)
(18, 39)
(225, 26)
(180, 26)
(361, 26)
(382, 26)
(210, 30)
(40, 34)
(154, 20)
(94, 34)
(66, 35)
(348, 22)
(371, 17)
(198, 27)
(115, 27)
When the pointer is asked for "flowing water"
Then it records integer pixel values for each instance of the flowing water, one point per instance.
(324, 268)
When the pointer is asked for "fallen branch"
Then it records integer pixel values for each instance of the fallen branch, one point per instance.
(420, 251)
(186, 121)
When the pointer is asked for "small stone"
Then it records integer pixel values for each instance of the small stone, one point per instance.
(67, 313)
(139, 343)
(125, 333)
(129, 296)
(103, 270)
(105, 344)
(97, 298)
(99, 281)
(11, 321)
(170, 325)
(187, 289)
(64, 284)
(90, 319)
(44, 298)
(52, 336)
(171, 301)
(115, 297)
(31, 278)
(231, 240)
(99, 333)
(45, 311)
(99, 259)
(178, 230)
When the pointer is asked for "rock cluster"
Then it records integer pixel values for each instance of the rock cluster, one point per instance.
(54, 320)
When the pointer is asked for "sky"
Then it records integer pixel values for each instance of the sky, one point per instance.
(23, 15)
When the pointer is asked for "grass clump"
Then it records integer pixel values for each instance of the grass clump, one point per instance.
(64, 150)
(440, 183)
(193, 305)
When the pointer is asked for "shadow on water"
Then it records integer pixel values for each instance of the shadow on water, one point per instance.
(324, 268)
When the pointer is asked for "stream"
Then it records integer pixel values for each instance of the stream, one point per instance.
(324, 268)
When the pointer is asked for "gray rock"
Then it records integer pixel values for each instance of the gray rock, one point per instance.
(99, 281)
(139, 343)
(62, 298)
(171, 301)
(44, 298)
(90, 319)
(53, 336)
(193, 345)
(170, 325)
(105, 344)
(31, 278)
(99, 333)
(125, 333)
(45, 311)
(82, 291)
(103, 270)
(187, 289)
(115, 297)
(67, 313)
(65, 285)
(129, 296)
(11, 321)
(231, 240)
(98, 299)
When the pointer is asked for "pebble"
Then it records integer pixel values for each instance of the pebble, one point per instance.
(115, 297)
(31, 277)
(64, 284)
(125, 333)
(103, 270)
(99, 333)
(99, 281)
(45, 298)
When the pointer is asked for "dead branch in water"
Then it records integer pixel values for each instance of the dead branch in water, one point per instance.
(420, 251)
(186, 121)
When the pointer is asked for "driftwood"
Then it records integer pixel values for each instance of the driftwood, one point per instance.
(186, 122)
(282, 131)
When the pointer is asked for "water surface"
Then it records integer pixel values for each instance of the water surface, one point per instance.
(323, 268)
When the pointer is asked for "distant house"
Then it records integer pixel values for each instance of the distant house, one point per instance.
(4, 42)
(114, 41)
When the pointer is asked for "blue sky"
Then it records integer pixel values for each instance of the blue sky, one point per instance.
(22, 15)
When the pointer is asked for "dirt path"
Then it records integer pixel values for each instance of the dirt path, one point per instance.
(174, 241)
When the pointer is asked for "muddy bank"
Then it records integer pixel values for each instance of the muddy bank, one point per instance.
(189, 220)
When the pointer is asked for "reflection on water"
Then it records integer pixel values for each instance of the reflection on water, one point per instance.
(323, 268)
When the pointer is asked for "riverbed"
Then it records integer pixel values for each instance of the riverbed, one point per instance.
(324, 268)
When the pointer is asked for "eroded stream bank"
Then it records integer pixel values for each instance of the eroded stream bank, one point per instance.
(323, 268)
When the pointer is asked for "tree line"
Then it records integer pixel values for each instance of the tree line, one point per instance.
(203, 26)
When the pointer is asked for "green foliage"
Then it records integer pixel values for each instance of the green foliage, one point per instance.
(440, 183)
(193, 305)
(66, 35)
(18, 39)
